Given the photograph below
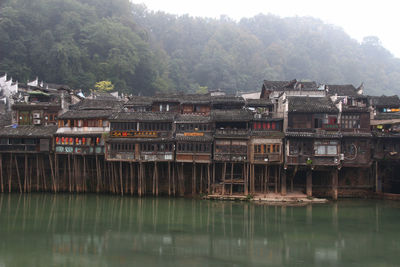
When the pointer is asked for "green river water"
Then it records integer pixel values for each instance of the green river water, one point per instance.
(101, 230)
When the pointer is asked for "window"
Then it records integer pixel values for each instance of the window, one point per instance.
(325, 148)
(350, 121)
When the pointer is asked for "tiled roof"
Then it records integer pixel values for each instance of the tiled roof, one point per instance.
(259, 102)
(28, 131)
(86, 114)
(142, 116)
(182, 118)
(311, 105)
(342, 90)
(195, 99)
(139, 101)
(97, 104)
(289, 85)
(227, 99)
(385, 101)
(231, 115)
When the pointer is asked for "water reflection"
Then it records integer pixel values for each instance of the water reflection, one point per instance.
(91, 230)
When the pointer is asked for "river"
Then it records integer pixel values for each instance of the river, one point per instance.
(102, 230)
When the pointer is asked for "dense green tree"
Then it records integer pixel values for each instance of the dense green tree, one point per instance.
(80, 42)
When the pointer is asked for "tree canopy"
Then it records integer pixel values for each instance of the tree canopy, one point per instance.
(80, 42)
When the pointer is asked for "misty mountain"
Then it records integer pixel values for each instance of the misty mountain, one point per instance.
(80, 42)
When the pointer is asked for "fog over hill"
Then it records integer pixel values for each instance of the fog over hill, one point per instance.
(80, 42)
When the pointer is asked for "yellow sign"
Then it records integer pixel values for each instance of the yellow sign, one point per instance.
(194, 134)
(133, 134)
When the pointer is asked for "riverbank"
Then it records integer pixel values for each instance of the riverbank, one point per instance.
(295, 197)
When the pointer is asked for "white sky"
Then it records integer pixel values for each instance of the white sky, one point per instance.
(357, 18)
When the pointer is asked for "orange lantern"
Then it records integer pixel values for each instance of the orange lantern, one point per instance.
(83, 140)
(77, 140)
(71, 141)
(97, 140)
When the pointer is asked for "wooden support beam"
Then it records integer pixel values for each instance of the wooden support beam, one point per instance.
(266, 190)
(194, 179)
(208, 178)
(232, 166)
(69, 174)
(252, 179)
(52, 173)
(223, 178)
(84, 173)
(25, 173)
(276, 172)
(335, 184)
(182, 182)
(201, 178)
(246, 180)
(121, 179)
(378, 182)
(1, 173)
(10, 174)
(18, 177)
(169, 178)
(213, 179)
(309, 183)
(283, 182)
(132, 171)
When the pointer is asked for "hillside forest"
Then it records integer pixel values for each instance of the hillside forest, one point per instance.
(82, 42)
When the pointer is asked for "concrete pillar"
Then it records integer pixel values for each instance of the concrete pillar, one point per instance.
(309, 183)
(335, 184)
(283, 183)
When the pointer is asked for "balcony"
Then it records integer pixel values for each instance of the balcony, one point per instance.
(330, 127)
(20, 148)
(232, 132)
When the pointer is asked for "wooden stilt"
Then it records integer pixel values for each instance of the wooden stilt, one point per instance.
(18, 177)
(140, 179)
(252, 182)
(156, 170)
(52, 173)
(26, 173)
(30, 177)
(208, 179)
(335, 184)
(132, 177)
(194, 178)
(181, 182)
(232, 166)
(283, 183)
(169, 178)
(309, 183)
(69, 174)
(223, 178)
(173, 179)
(1, 173)
(10, 173)
(276, 179)
(57, 172)
(265, 179)
(84, 173)
(201, 178)
(246, 182)
(120, 178)
(213, 179)
(43, 173)
(154, 178)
